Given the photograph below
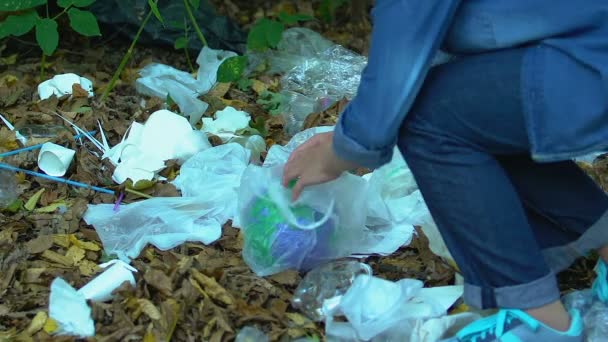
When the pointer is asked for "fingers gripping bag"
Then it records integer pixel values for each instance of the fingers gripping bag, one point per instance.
(326, 223)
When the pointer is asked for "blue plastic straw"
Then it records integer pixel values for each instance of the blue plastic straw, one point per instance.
(56, 179)
(35, 147)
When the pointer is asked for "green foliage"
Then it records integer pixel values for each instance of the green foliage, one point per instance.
(195, 4)
(154, 7)
(292, 19)
(18, 5)
(19, 24)
(231, 70)
(83, 22)
(180, 43)
(244, 84)
(27, 18)
(271, 102)
(47, 35)
(328, 9)
(264, 34)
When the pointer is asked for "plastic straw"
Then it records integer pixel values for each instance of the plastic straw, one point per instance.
(35, 147)
(56, 179)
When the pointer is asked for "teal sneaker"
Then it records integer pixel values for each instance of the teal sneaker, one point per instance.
(600, 284)
(517, 326)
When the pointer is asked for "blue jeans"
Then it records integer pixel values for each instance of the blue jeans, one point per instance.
(509, 222)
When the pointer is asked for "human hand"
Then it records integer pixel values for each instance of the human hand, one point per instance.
(314, 162)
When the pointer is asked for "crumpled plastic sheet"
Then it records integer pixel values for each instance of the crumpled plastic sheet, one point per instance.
(162, 80)
(380, 310)
(165, 222)
(208, 181)
(316, 73)
(593, 311)
(216, 174)
(70, 310)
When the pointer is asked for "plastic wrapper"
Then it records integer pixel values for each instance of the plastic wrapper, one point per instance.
(164, 222)
(251, 334)
(593, 311)
(322, 288)
(326, 223)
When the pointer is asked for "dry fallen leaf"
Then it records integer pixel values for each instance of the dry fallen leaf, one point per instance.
(40, 244)
(211, 287)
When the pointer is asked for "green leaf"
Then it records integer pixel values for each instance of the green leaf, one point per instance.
(264, 34)
(83, 22)
(244, 84)
(18, 25)
(169, 101)
(180, 43)
(231, 69)
(154, 8)
(195, 4)
(47, 35)
(177, 24)
(65, 3)
(83, 3)
(18, 5)
(259, 124)
(291, 19)
(328, 8)
(77, 3)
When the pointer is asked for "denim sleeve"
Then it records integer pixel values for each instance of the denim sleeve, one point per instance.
(405, 37)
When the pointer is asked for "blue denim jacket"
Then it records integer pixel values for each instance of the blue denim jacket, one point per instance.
(564, 77)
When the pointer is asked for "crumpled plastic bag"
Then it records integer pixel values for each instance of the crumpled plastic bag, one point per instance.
(162, 80)
(376, 308)
(593, 311)
(215, 174)
(326, 223)
(165, 222)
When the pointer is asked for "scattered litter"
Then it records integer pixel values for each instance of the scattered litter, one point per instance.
(254, 143)
(593, 311)
(55, 179)
(162, 80)
(373, 307)
(251, 334)
(55, 159)
(143, 153)
(8, 188)
(216, 174)
(101, 287)
(323, 287)
(69, 307)
(226, 123)
(164, 222)
(70, 310)
(590, 158)
(61, 85)
(10, 126)
(326, 223)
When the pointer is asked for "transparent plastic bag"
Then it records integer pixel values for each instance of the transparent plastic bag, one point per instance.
(326, 223)
(251, 334)
(596, 322)
(165, 222)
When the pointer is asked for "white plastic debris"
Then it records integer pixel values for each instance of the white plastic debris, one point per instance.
(165, 222)
(226, 123)
(251, 334)
(61, 85)
(162, 80)
(55, 159)
(70, 310)
(10, 126)
(101, 287)
(215, 173)
(374, 306)
(143, 153)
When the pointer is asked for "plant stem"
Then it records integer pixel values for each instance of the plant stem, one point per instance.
(201, 37)
(58, 15)
(42, 64)
(125, 58)
(188, 60)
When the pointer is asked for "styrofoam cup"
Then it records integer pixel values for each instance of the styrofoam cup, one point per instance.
(100, 288)
(54, 159)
